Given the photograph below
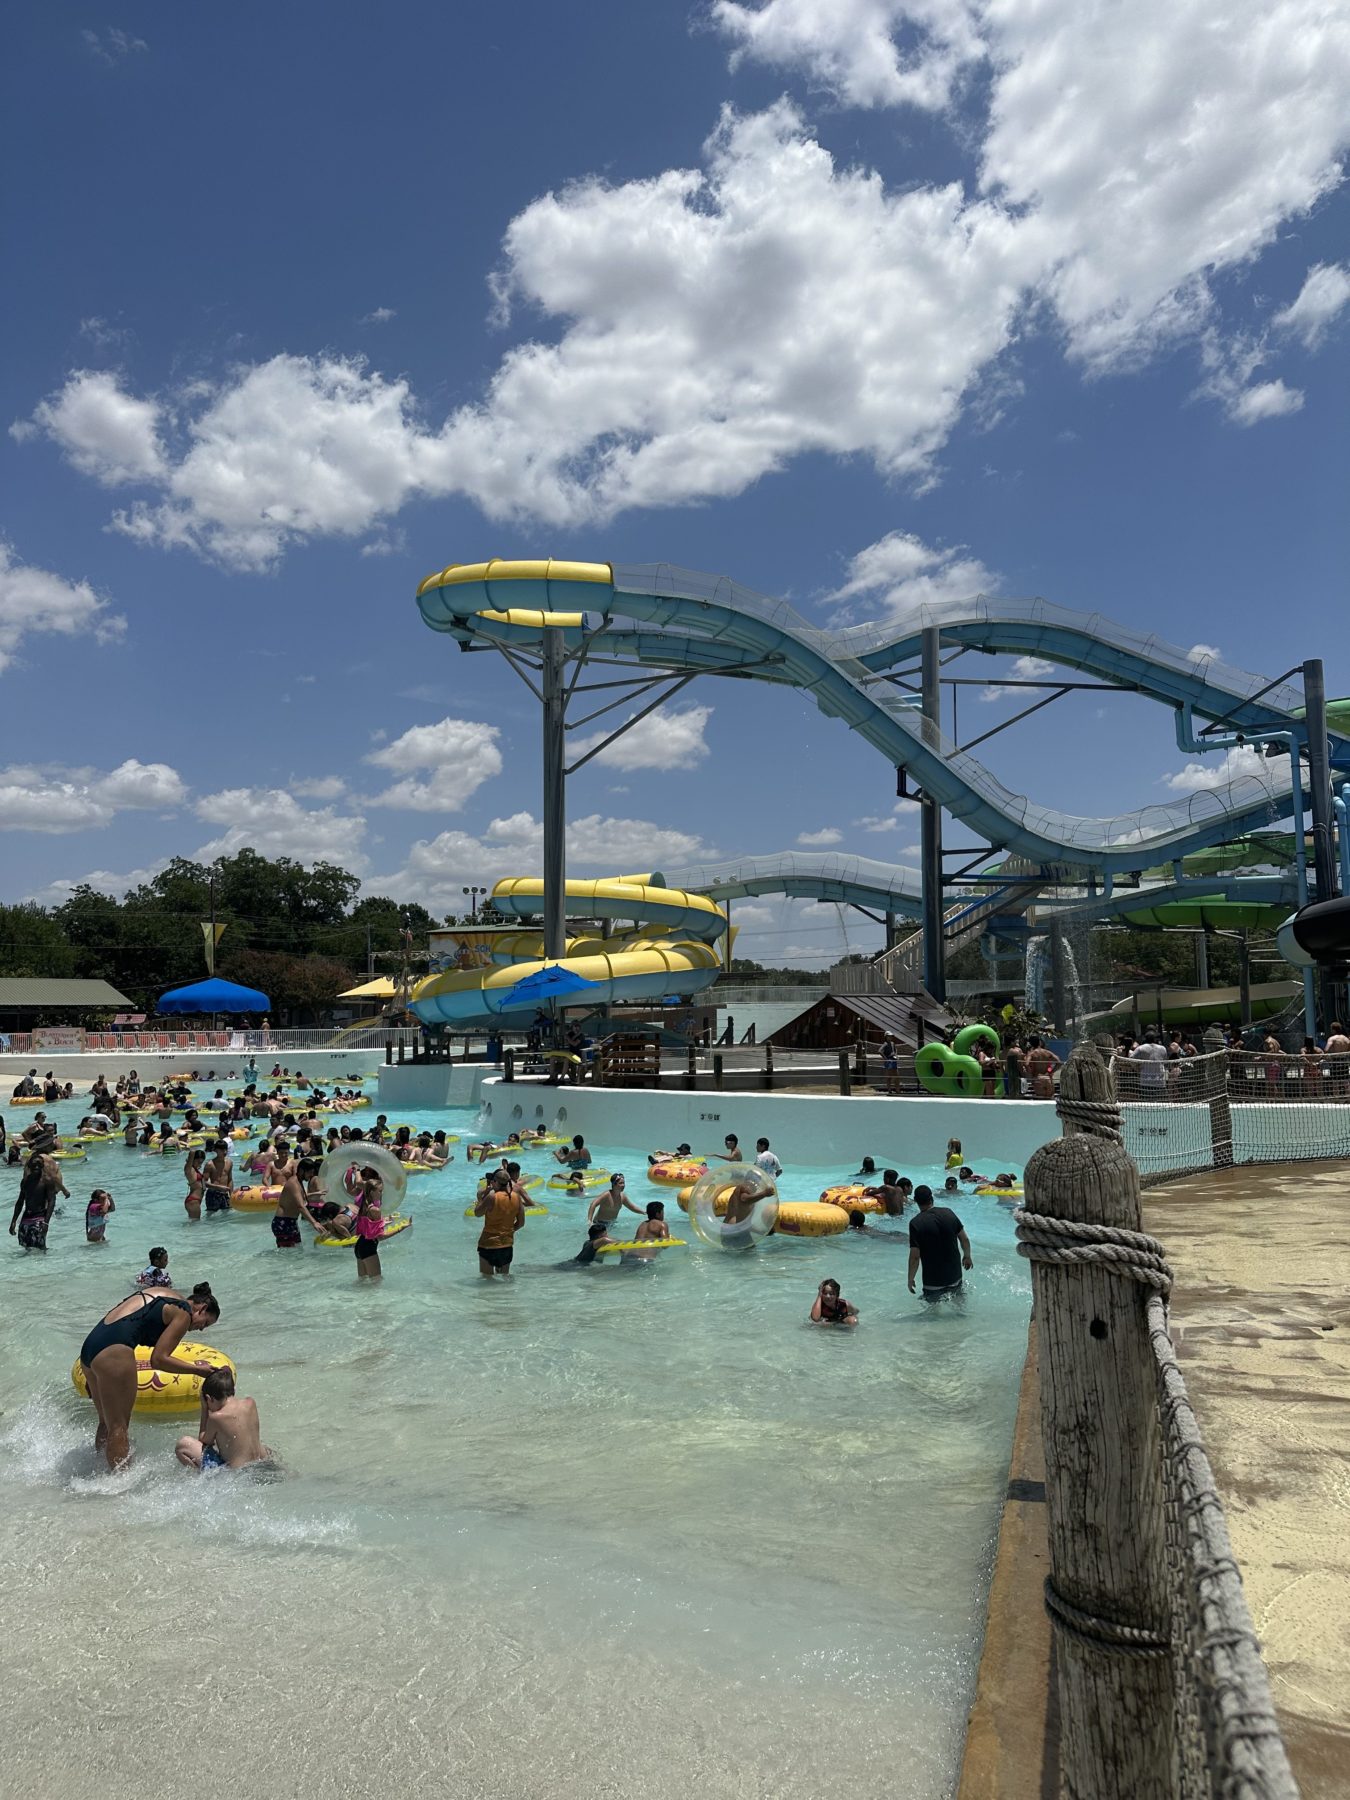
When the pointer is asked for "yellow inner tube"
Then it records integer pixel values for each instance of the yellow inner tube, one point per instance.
(1008, 1193)
(69, 1153)
(527, 1182)
(852, 1198)
(677, 1172)
(590, 1179)
(27, 1100)
(796, 1218)
(255, 1199)
(161, 1390)
(395, 1223)
(646, 1244)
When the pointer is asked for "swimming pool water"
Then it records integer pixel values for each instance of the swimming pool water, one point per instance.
(608, 1531)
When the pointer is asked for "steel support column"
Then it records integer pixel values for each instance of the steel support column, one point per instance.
(554, 797)
(934, 961)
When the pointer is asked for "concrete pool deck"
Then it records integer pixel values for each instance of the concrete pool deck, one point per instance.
(1260, 1316)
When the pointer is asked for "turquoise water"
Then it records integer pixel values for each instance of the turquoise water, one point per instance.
(604, 1532)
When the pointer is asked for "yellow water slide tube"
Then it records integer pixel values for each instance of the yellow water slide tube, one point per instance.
(670, 947)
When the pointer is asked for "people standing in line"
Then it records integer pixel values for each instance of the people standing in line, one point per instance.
(766, 1160)
(939, 1246)
(502, 1211)
(39, 1187)
(990, 1071)
(890, 1064)
(1014, 1067)
(1338, 1065)
(1040, 1067)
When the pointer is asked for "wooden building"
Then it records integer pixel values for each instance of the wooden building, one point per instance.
(838, 1021)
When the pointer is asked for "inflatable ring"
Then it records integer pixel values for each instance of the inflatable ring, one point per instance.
(531, 1212)
(68, 1153)
(810, 1218)
(969, 1035)
(1008, 1193)
(852, 1198)
(27, 1100)
(677, 1171)
(161, 1390)
(796, 1218)
(395, 1223)
(590, 1180)
(941, 1071)
(528, 1182)
(645, 1244)
(549, 1141)
(255, 1199)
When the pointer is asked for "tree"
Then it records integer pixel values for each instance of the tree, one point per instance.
(293, 984)
(32, 942)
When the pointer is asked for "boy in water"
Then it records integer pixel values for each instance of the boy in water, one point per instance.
(156, 1272)
(228, 1434)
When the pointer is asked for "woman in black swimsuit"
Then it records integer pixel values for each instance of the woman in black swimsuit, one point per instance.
(109, 1356)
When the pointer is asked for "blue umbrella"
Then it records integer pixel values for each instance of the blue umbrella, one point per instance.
(214, 996)
(549, 983)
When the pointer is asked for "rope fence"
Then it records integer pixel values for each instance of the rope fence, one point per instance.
(1162, 1688)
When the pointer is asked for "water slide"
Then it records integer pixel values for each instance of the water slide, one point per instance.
(665, 617)
(670, 946)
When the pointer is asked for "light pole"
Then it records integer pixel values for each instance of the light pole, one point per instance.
(473, 893)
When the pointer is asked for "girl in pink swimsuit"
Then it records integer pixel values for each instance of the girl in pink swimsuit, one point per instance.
(369, 1225)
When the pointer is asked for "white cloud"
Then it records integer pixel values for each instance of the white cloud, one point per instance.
(272, 822)
(320, 787)
(34, 600)
(380, 315)
(820, 840)
(747, 915)
(458, 754)
(665, 739)
(1204, 653)
(112, 46)
(900, 574)
(851, 47)
(1158, 143)
(1264, 400)
(900, 814)
(436, 868)
(104, 881)
(773, 303)
(54, 800)
(1024, 668)
(1325, 292)
(105, 431)
(1240, 761)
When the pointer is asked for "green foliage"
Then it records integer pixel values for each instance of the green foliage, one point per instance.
(744, 972)
(33, 943)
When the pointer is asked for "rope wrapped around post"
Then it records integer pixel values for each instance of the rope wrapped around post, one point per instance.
(1094, 1271)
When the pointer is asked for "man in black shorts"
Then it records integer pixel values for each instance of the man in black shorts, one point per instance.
(938, 1243)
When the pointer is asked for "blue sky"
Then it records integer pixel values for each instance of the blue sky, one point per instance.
(307, 301)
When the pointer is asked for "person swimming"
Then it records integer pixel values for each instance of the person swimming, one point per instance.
(830, 1306)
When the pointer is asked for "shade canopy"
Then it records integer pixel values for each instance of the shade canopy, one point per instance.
(549, 983)
(382, 988)
(213, 996)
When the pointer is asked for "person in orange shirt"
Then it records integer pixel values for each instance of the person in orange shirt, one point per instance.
(502, 1211)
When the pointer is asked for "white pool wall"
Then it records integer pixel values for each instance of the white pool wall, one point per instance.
(81, 1066)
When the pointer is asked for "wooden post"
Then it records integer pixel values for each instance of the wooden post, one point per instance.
(768, 1065)
(845, 1078)
(717, 1071)
(691, 1070)
(509, 1066)
(1099, 1422)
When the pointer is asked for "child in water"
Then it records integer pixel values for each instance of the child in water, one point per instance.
(96, 1216)
(955, 1154)
(831, 1308)
(156, 1273)
(228, 1434)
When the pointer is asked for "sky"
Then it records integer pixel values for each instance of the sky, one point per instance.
(861, 302)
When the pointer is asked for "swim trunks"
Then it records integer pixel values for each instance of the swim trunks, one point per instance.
(285, 1231)
(211, 1457)
(932, 1295)
(217, 1199)
(367, 1247)
(33, 1231)
(496, 1258)
(94, 1230)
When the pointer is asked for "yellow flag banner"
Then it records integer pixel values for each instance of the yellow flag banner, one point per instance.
(213, 934)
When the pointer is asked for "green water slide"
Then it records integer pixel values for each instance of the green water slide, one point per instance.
(1208, 912)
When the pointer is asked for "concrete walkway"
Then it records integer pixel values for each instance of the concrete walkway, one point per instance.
(1261, 1319)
